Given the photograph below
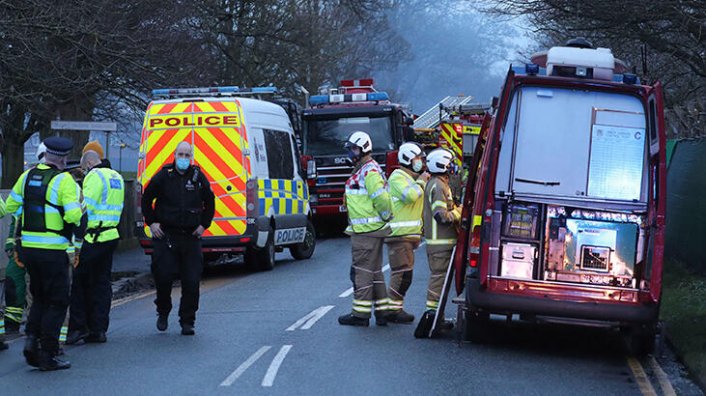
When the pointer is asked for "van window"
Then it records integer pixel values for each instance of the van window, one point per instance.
(574, 143)
(279, 154)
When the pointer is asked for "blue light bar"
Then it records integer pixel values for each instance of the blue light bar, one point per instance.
(264, 90)
(317, 100)
(378, 96)
(212, 91)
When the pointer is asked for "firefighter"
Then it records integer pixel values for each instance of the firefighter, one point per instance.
(183, 209)
(407, 193)
(17, 295)
(49, 201)
(369, 209)
(91, 290)
(441, 217)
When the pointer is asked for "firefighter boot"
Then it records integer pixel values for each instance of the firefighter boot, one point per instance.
(352, 320)
(400, 316)
(75, 336)
(49, 362)
(381, 318)
(425, 323)
(31, 350)
(98, 337)
(11, 327)
(3, 345)
(187, 329)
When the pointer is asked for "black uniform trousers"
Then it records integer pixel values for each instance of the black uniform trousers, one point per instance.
(177, 256)
(91, 288)
(49, 283)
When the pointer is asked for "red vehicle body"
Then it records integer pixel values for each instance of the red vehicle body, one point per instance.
(355, 106)
(564, 218)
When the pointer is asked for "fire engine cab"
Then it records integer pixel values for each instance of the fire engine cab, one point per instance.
(566, 217)
(355, 106)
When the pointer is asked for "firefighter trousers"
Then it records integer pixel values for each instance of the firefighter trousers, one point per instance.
(49, 283)
(366, 274)
(177, 256)
(15, 290)
(401, 255)
(91, 289)
(438, 257)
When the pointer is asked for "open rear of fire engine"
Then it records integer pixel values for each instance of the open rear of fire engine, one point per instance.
(568, 213)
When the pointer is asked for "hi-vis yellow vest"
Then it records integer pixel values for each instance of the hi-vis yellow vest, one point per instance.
(104, 194)
(407, 203)
(62, 193)
(367, 199)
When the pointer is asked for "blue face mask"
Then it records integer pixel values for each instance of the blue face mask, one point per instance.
(183, 163)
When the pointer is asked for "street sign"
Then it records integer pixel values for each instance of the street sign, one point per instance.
(85, 126)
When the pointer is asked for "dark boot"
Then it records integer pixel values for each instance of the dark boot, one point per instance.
(352, 320)
(11, 327)
(31, 350)
(424, 325)
(162, 322)
(76, 336)
(49, 362)
(381, 318)
(97, 337)
(187, 329)
(400, 317)
(3, 345)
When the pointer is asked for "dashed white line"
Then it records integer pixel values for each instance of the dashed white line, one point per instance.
(312, 317)
(274, 366)
(349, 291)
(246, 364)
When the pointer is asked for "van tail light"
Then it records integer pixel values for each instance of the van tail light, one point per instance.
(252, 200)
(138, 200)
(474, 247)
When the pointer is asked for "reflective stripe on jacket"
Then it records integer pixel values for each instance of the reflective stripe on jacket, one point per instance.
(407, 203)
(440, 213)
(104, 193)
(62, 192)
(367, 199)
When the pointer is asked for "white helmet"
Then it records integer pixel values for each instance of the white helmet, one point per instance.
(360, 139)
(440, 161)
(407, 152)
(41, 150)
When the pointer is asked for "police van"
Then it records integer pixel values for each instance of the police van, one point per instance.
(247, 149)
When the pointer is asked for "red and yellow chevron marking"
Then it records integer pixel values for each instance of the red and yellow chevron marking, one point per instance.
(217, 133)
(453, 140)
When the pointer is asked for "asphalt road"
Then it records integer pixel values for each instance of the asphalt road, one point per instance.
(276, 333)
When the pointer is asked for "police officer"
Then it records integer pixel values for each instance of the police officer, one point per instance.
(183, 209)
(369, 209)
(49, 201)
(91, 290)
(441, 217)
(407, 192)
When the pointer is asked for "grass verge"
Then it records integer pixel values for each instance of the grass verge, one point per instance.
(684, 311)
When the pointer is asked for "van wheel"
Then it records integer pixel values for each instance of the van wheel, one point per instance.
(476, 327)
(262, 259)
(639, 340)
(305, 250)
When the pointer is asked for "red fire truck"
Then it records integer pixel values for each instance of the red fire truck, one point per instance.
(354, 106)
(567, 216)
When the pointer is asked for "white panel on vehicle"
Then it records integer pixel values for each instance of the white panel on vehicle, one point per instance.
(600, 59)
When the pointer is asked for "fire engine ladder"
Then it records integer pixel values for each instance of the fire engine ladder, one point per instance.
(431, 118)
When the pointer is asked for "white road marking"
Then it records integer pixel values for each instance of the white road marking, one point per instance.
(246, 364)
(309, 319)
(274, 366)
(349, 291)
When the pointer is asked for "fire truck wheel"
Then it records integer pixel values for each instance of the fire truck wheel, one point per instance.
(305, 250)
(639, 340)
(262, 259)
(476, 327)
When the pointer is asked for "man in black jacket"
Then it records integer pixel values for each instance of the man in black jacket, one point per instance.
(183, 209)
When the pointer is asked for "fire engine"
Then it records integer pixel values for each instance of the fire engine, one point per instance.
(567, 219)
(355, 106)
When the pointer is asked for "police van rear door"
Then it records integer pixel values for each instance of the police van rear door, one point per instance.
(216, 130)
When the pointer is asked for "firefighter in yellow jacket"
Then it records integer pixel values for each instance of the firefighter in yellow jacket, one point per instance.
(369, 209)
(441, 217)
(49, 201)
(407, 193)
